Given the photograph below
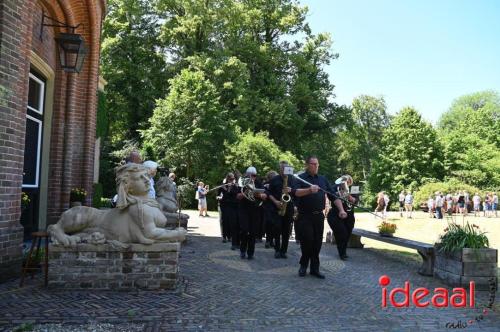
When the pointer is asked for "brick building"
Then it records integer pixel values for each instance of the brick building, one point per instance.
(47, 115)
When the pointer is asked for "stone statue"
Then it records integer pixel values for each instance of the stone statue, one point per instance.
(165, 195)
(136, 218)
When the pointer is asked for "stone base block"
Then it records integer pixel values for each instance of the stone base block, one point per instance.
(103, 266)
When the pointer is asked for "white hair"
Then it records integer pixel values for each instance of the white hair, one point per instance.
(149, 164)
(251, 170)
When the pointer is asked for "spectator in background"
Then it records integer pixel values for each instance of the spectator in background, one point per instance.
(380, 203)
(172, 177)
(386, 201)
(495, 204)
(461, 202)
(401, 203)
(201, 193)
(152, 169)
(467, 202)
(476, 200)
(409, 204)
(439, 205)
(134, 157)
(430, 206)
(449, 204)
(488, 205)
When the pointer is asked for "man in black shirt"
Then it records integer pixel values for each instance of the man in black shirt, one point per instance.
(281, 224)
(229, 210)
(341, 215)
(249, 216)
(310, 203)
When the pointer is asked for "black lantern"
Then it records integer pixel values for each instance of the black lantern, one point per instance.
(71, 46)
(72, 51)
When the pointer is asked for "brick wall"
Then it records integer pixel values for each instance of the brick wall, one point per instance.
(74, 109)
(103, 266)
(15, 25)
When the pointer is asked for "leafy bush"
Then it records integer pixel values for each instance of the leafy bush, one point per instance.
(457, 237)
(106, 203)
(452, 186)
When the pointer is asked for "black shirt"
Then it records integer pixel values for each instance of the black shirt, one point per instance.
(276, 189)
(229, 193)
(311, 202)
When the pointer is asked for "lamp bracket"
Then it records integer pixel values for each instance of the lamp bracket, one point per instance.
(55, 23)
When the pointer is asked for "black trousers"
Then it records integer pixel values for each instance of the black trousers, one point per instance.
(249, 222)
(281, 231)
(229, 216)
(310, 228)
(342, 230)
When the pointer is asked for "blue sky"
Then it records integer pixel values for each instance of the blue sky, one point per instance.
(418, 53)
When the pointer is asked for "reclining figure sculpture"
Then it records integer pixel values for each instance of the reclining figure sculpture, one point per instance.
(136, 218)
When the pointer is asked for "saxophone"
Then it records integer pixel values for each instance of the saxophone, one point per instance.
(285, 197)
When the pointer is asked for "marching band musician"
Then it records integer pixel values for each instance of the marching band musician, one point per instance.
(249, 215)
(281, 223)
(310, 223)
(229, 210)
(341, 215)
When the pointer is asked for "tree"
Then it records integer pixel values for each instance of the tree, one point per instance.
(257, 150)
(410, 155)
(188, 127)
(470, 132)
(134, 66)
(360, 142)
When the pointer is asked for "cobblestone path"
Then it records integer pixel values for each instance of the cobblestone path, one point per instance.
(218, 291)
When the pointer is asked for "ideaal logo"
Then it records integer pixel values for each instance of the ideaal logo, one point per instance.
(422, 297)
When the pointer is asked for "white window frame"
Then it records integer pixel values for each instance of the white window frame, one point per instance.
(39, 147)
(42, 95)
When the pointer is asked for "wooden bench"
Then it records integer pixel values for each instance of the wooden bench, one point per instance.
(425, 250)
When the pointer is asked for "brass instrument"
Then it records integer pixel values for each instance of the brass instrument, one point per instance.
(343, 190)
(248, 189)
(285, 197)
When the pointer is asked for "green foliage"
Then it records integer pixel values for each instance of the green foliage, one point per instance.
(410, 154)
(97, 196)
(102, 121)
(106, 203)
(188, 128)
(457, 237)
(259, 151)
(453, 186)
(133, 64)
(362, 138)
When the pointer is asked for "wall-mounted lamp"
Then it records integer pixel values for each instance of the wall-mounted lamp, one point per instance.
(71, 45)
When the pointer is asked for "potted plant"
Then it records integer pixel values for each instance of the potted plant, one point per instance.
(25, 201)
(77, 196)
(463, 255)
(387, 229)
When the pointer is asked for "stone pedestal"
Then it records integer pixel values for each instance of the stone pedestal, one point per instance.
(103, 266)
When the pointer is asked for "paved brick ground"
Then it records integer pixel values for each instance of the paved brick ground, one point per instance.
(218, 291)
